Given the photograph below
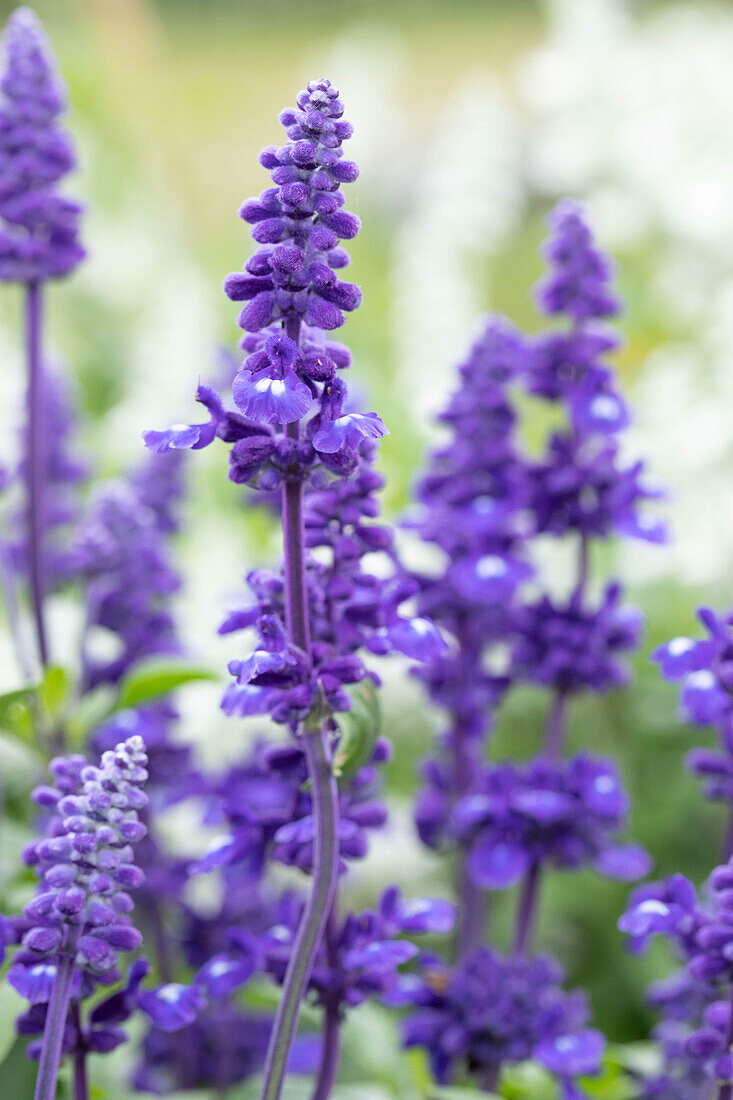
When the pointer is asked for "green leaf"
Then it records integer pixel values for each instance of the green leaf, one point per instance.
(643, 1058)
(15, 716)
(458, 1093)
(155, 677)
(17, 1072)
(53, 689)
(89, 712)
(360, 728)
(527, 1081)
(368, 1028)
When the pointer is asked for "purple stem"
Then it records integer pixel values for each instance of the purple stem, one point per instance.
(7, 583)
(35, 464)
(324, 793)
(490, 1079)
(583, 565)
(552, 745)
(471, 912)
(555, 727)
(728, 842)
(81, 1084)
(331, 1049)
(296, 606)
(472, 901)
(530, 892)
(313, 921)
(527, 911)
(465, 750)
(328, 1069)
(53, 1032)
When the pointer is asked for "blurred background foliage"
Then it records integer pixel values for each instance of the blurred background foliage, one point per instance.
(471, 119)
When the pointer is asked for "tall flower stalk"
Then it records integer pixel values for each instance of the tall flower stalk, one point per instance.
(579, 492)
(292, 431)
(294, 280)
(38, 242)
(470, 499)
(486, 500)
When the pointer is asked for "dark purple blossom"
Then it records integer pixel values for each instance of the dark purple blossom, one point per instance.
(268, 812)
(681, 1001)
(569, 367)
(705, 668)
(299, 221)
(190, 436)
(701, 931)
(223, 1046)
(484, 500)
(492, 1011)
(580, 277)
(101, 1033)
(579, 486)
(172, 1006)
(713, 654)
(352, 609)
(471, 502)
(364, 953)
(565, 814)
(573, 647)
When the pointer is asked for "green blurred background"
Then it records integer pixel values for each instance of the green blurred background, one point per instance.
(471, 119)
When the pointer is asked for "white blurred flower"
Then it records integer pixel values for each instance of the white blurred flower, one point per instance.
(467, 200)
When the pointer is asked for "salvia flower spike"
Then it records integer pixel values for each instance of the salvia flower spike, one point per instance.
(79, 921)
(39, 235)
(38, 239)
(485, 500)
(694, 1005)
(298, 224)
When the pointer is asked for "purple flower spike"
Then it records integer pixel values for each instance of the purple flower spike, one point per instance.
(39, 235)
(299, 221)
(74, 929)
(578, 283)
(484, 499)
(491, 1011)
(695, 1004)
(575, 648)
(85, 864)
